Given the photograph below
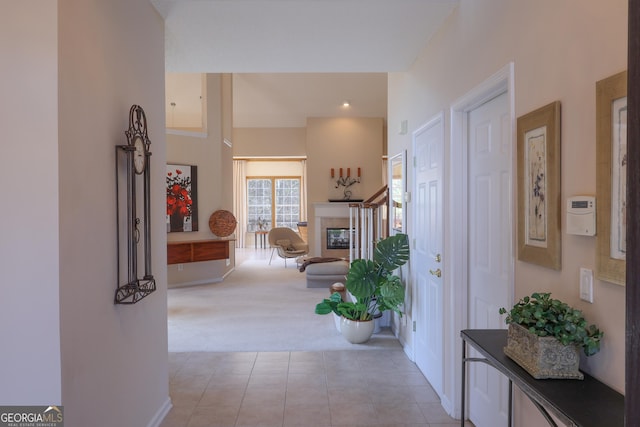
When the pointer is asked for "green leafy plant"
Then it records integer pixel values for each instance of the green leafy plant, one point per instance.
(545, 316)
(372, 283)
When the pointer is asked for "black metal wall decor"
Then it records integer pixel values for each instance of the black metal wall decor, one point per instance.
(345, 181)
(133, 174)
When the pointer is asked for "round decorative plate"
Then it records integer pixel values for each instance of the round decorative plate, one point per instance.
(222, 223)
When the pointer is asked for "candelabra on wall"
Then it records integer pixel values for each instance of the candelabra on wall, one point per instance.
(342, 188)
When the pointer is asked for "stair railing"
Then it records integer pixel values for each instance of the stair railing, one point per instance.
(368, 221)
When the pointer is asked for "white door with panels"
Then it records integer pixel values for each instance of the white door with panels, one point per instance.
(426, 255)
(489, 247)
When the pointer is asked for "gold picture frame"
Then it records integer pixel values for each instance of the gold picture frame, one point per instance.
(611, 177)
(539, 237)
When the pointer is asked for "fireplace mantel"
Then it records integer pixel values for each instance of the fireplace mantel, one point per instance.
(332, 209)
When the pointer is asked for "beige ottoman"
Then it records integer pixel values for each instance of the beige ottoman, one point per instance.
(325, 274)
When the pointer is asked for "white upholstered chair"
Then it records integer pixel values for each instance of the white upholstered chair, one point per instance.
(287, 243)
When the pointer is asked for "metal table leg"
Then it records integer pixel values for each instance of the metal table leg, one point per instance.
(466, 359)
(464, 381)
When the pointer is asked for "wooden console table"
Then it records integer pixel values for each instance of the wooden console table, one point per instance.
(584, 403)
(197, 250)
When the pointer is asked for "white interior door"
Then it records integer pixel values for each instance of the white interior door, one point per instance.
(427, 252)
(490, 237)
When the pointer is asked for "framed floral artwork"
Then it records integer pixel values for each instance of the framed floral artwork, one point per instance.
(182, 198)
(539, 237)
(611, 177)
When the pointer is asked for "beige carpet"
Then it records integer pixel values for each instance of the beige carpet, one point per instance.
(258, 307)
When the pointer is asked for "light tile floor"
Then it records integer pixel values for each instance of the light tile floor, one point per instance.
(381, 388)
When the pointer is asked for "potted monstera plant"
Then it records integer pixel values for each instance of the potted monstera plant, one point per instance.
(372, 289)
(546, 335)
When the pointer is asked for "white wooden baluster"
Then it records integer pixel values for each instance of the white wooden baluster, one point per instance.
(354, 227)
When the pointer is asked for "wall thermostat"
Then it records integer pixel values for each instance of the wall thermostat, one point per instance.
(581, 215)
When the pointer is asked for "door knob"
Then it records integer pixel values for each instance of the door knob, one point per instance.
(437, 273)
(438, 258)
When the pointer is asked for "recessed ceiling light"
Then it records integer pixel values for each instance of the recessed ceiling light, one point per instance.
(346, 103)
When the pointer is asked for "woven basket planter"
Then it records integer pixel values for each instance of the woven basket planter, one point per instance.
(542, 357)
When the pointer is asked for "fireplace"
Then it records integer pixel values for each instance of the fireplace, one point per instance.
(338, 237)
(335, 217)
(335, 237)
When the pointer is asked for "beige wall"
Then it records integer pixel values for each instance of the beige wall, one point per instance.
(30, 251)
(269, 142)
(327, 143)
(71, 84)
(559, 51)
(342, 143)
(214, 161)
(226, 154)
(113, 356)
(274, 168)
(187, 92)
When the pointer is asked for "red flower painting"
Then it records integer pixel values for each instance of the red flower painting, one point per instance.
(180, 199)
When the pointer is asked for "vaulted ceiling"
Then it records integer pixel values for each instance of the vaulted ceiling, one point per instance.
(299, 36)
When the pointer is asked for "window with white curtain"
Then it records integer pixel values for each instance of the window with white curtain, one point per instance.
(273, 200)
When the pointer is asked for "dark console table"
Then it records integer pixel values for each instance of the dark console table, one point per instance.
(584, 403)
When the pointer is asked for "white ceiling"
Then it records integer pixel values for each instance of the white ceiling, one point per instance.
(299, 36)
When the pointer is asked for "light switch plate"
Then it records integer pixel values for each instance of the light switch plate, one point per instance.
(586, 285)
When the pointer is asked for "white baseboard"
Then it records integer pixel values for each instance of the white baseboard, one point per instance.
(447, 405)
(162, 412)
(202, 281)
(408, 350)
(196, 282)
(231, 270)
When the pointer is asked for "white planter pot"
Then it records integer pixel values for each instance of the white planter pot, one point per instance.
(356, 332)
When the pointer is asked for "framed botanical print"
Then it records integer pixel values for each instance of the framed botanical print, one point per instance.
(539, 237)
(611, 174)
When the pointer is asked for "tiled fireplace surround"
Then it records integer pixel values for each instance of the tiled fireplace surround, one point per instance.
(329, 215)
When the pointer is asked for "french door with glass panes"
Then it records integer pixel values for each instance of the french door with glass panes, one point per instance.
(273, 202)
